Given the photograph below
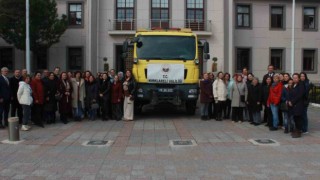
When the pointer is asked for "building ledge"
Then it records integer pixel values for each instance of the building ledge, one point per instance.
(203, 33)
(121, 33)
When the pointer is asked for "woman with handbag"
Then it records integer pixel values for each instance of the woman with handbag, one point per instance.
(239, 93)
(50, 103)
(274, 101)
(92, 91)
(307, 86)
(78, 96)
(25, 99)
(65, 89)
(129, 87)
(38, 97)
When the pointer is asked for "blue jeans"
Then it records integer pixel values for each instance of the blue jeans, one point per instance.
(256, 117)
(92, 114)
(204, 109)
(78, 112)
(26, 114)
(275, 115)
(305, 120)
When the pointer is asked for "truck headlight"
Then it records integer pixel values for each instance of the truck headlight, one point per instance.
(193, 91)
(135, 60)
(140, 90)
(196, 61)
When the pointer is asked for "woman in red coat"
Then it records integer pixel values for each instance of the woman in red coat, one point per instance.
(205, 96)
(116, 98)
(38, 99)
(274, 100)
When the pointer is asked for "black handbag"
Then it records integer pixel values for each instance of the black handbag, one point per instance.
(283, 106)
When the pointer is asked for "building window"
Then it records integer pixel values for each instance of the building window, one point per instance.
(75, 58)
(160, 13)
(277, 17)
(6, 57)
(243, 58)
(75, 14)
(309, 60)
(277, 59)
(125, 15)
(195, 15)
(40, 59)
(309, 18)
(243, 16)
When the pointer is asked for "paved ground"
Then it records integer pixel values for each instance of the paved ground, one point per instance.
(141, 150)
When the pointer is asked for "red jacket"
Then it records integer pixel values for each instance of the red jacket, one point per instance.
(37, 91)
(116, 93)
(275, 94)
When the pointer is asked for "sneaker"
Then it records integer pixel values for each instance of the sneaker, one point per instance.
(24, 128)
(305, 132)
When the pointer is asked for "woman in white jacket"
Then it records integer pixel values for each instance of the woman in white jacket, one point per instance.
(220, 93)
(24, 95)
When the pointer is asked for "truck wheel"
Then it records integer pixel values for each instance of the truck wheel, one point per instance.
(191, 108)
(138, 108)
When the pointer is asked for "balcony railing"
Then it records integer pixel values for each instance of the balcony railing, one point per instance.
(134, 24)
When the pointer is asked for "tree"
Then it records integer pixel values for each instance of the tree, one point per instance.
(46, 27)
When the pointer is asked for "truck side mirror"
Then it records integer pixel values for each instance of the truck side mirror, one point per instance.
(206, 56)
(125, 46)
(135, 39)
(206, 47)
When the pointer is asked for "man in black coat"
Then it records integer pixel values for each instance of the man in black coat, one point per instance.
(270, 73)
(15, 105)
(5, 96)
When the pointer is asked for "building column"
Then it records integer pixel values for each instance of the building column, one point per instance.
(231, 25)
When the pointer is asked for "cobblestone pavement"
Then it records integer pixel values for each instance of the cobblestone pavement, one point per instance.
(141, 150)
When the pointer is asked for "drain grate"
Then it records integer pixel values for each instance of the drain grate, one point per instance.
(182, 143)
(97, 143)
(264, 142)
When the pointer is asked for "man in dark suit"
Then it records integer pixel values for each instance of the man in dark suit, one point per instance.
(269, 74)
(5, 96)
(14, 85)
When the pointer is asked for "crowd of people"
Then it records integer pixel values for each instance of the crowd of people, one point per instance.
(110, 95)
(75, 95)
(283, 98)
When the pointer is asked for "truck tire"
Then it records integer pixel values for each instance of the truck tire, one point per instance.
(138, 108)
(191, 107)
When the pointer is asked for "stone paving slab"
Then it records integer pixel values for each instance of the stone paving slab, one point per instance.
(141, 150)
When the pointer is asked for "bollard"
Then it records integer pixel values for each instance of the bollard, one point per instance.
(14, 129)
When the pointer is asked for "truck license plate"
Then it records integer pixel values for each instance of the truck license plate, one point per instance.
(165, 90)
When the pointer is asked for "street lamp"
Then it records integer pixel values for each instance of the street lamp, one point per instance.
(292, 34)
(27, 37)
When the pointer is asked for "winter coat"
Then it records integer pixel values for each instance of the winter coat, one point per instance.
(307, 87)
(37, 91)
(131, 83)
(50, 90)
(5, 91)
(14, 85)
(265, 93)
(235, 96)
(254, 97)
(92, 91)
(116, 92)
(105, 90)
(275, 94)
(229, 86)
(296, 97)
(24, 94)
(219, 90)
(205, 91)
(78, 92)
(65, 101)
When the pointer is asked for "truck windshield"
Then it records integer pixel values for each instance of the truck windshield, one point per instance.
(166, 47)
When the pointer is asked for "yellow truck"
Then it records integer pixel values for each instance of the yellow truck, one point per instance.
(166, 67)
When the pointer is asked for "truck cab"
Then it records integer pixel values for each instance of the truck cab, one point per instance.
(166, 67)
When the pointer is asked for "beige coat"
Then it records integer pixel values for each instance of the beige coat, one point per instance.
(81, 91)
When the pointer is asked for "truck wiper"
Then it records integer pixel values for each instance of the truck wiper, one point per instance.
(148, 58)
